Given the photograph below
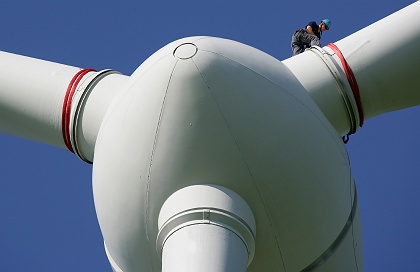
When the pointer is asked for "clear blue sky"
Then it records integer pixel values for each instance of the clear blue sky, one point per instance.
(47, 215)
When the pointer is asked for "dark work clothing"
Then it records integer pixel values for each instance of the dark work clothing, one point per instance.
(315, 28)
(301, 39)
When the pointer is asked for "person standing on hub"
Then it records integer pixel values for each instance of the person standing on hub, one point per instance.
(310, 35)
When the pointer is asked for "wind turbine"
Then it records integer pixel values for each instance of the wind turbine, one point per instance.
(215, 153)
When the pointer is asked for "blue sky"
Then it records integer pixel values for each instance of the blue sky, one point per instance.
(47, 215)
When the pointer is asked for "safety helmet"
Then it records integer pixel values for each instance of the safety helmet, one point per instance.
(327, 23)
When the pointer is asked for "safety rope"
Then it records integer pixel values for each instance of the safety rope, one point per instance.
(353, 85)
(66, 110)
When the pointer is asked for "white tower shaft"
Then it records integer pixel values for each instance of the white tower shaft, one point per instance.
(206, 228)
(205, 248)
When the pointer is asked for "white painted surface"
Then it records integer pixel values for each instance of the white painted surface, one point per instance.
(232, 116)
(385, 66)
(31, 96)
(206, 228)
(221, 112)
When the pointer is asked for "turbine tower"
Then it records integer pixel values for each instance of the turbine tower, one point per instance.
(214, 156)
